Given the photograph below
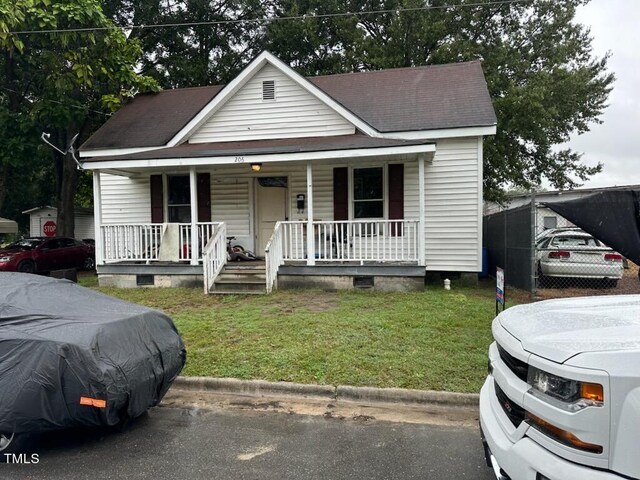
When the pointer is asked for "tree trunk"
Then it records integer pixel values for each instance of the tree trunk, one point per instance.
(68, 184)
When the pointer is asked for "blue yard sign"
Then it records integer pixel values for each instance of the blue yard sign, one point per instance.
(500, 299)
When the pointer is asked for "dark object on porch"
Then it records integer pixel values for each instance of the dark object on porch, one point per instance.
(66, 274)
(74, 357)
(610, 216)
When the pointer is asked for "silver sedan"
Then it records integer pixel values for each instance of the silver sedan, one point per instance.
(574, 253)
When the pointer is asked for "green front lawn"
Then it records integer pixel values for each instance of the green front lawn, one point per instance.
(434, 340)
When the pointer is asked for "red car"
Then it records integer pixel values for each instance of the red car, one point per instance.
(44, 254)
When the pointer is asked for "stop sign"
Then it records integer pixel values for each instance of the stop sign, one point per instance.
(49, 228)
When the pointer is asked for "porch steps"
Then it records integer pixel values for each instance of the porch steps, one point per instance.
(244, 279)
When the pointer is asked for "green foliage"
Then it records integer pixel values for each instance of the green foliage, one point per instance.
(57, 82)
(545, 83)
(195, 55)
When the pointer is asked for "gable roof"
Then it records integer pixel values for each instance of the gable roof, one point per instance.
(404, 99)
(233, 87)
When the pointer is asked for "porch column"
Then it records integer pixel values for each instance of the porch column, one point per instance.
(421, 243)
(193, 190)
(97, 218)
(311, 247)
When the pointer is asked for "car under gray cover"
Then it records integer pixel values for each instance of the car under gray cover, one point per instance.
(71, 356)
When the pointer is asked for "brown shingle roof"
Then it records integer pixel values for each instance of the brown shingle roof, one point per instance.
(151, 119)
(265, 147)
(402, 99)
(419, 98)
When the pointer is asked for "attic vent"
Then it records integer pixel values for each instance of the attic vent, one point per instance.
(269, 90)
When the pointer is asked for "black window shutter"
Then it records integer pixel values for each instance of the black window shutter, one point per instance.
(341, 193)
(204, 197)
(157, 202)
(396, 196)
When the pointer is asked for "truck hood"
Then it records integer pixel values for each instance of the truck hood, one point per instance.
(560, 329)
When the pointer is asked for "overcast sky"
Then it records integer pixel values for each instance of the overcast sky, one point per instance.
(615, 28)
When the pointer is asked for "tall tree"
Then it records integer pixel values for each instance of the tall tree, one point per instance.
(60, 78)
(545, 82)
(211, 50)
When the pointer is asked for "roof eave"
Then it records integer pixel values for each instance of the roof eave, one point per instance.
(124, 163)
(439, 133)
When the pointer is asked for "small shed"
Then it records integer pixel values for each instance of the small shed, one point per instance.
(8, 226)
(43, 222)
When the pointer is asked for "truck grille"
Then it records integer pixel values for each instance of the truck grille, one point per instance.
(514, 412)
(518, 367)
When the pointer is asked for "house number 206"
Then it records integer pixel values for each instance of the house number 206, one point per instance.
(239, 160)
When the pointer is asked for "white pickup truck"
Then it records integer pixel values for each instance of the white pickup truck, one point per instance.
(562, 398)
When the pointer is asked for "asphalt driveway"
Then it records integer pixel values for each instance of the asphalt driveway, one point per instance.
(171, 443)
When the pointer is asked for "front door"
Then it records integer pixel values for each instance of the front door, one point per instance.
(271, 207)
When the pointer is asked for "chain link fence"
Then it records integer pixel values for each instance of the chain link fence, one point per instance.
(546, 255)
(571, 262)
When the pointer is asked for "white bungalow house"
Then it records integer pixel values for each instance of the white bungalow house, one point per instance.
(360, 179)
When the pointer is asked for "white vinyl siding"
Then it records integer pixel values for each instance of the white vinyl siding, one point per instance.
(453, 222)
(294, 113)
(230, 204)
(85, 226)
(322, 192)
(125, 200)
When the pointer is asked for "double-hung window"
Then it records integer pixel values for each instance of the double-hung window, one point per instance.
(178, 199)
(368, 192)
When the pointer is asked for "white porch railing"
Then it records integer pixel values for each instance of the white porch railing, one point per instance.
(214, 256)
(273, 256)
(139, 242)
(142, 242)
(377, 241)
(205, 232)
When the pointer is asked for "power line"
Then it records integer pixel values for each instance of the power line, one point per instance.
(272, 19)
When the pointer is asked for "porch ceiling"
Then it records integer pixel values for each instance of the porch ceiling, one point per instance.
(289, 149)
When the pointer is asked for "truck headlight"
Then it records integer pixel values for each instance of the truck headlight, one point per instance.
(571, 395)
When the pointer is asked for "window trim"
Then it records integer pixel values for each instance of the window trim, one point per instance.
(385, 191)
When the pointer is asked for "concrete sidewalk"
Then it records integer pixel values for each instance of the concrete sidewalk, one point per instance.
(359, 403)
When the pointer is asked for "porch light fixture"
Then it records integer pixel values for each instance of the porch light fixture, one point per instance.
(256, 167)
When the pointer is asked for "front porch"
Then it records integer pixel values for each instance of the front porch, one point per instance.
(344, 252)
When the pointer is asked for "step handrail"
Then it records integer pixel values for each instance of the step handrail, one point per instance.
(214, 256)
(274, 257)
